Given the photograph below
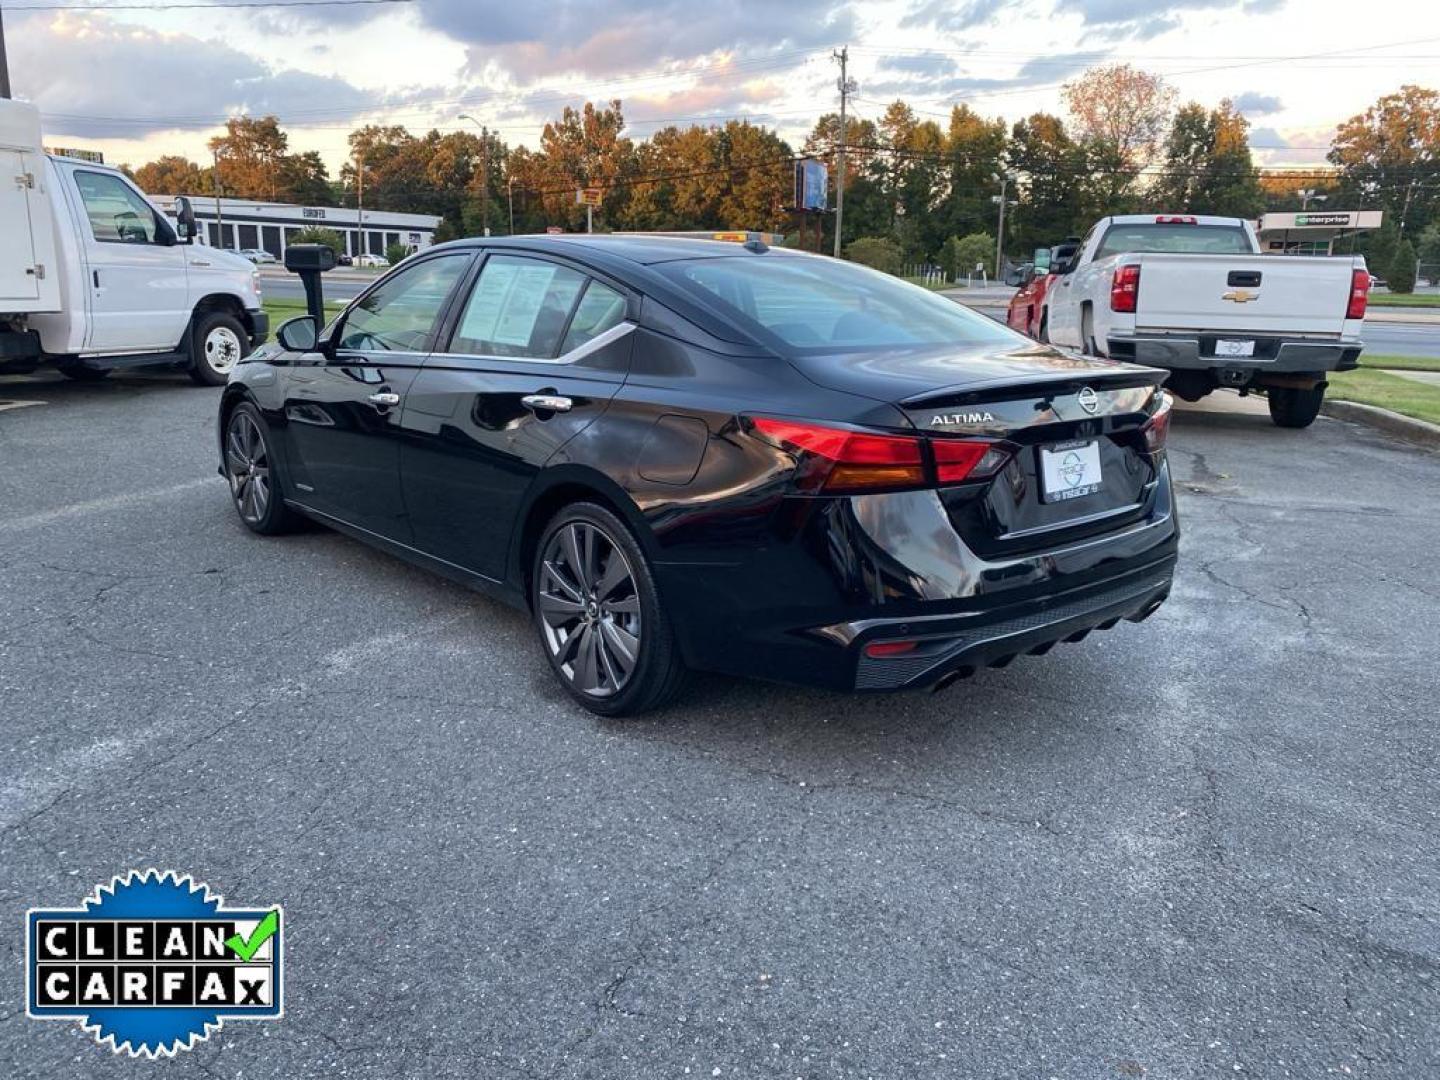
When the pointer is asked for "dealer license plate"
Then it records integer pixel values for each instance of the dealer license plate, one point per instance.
(1069, 470)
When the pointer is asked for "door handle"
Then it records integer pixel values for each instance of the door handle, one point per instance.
(384, 398)
(546, 403)
(199, 262)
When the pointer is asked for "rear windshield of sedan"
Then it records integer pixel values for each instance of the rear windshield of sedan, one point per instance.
(1177, 239)
(817, 304)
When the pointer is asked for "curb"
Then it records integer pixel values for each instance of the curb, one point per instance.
(1420, 432)
(1410, 315)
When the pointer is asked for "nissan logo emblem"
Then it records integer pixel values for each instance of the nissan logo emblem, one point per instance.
(1089, 400)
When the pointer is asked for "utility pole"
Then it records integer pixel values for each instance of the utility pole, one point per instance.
(847, 87)
(1000, 228)
(215, 186)
(485, 179)
(4, 63)
(510, 197)
(360, 202)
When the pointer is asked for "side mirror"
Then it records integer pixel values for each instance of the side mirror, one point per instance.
(185, 219)
(298, 334)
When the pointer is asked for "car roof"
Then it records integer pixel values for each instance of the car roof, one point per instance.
(636, 248)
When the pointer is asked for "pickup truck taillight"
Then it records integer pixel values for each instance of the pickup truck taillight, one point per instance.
(1125, 288)
(1359, 293)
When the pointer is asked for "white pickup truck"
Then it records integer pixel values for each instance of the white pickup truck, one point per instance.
(1193, 294)
(93, 277)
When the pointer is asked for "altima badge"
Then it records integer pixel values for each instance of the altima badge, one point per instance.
(1089, 400)
(962, 418)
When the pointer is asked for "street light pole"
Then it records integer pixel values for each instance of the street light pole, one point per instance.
(510, 198)
(1000, 228)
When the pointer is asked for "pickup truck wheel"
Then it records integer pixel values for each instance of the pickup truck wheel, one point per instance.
(1294, 408)
(219, 343)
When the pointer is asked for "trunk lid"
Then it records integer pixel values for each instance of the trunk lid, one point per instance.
(1060, 416)
(1295, 295)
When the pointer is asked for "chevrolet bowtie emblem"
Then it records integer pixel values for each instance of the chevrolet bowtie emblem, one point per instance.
(1240, 296)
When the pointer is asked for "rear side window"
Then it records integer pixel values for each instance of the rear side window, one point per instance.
(117, 212)
(520, 307)
(1175, 239)
(816, 304)
(399, 315)
(600, 309)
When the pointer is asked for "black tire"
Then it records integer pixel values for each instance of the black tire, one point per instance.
(1294, 408)
(81, 373)
(250, 469)
(218, 342)
(588, 615)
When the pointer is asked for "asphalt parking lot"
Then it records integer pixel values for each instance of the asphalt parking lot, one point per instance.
(1196, 847)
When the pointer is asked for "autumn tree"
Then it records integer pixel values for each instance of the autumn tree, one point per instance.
(974, 156)
(252, 162)
(866, 212)
(1389, 156)
(173, 174)
(1121, 115)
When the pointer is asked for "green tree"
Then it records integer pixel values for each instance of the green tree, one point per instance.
(315, 234)
(1207, 165)
(1401, 278)
(961, 254)
(876, 252)
(396, 252)
(974, 156)
(1429, 252)
(1050, 166)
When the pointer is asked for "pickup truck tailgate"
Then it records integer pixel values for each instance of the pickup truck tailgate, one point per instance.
(1276, 294)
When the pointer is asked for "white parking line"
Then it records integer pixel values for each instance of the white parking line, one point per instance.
(113, 502)
(19, 404)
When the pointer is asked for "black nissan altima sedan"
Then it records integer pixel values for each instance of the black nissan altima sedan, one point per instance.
(682, 454)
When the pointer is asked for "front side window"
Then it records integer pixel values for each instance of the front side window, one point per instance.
(400, 314)
(520, 307)
(117, 212)
(1176, 238)
(817, 305)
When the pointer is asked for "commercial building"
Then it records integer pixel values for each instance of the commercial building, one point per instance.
(1313, 232)
(238, 224)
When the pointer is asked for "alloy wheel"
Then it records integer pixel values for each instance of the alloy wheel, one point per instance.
(222, 349)
(247, 465)
(589, 609)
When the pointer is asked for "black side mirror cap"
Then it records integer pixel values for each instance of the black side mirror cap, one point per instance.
(299, 334)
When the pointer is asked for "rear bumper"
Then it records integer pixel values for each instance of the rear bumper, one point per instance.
(958, 646)
(1197, 353)
(803, 610)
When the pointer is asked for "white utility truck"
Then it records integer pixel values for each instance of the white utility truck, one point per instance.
(1193, 294)
(93, 277)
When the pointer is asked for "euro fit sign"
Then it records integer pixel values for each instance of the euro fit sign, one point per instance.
(812, 185)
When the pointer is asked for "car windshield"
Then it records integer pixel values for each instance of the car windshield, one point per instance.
(1175, 238)
(819, 305)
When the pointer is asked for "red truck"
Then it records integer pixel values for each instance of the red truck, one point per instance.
(1027, 307)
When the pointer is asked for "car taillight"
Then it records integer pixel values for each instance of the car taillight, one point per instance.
(837, 461)
(965, 459)
(1158, 426)
(1174, 219)
(1359, 294)
(1125, 288)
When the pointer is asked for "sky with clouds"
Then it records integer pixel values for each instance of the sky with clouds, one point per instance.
(138, 84)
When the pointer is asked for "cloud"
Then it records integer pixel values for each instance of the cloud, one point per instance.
(1041, 71)
(532, 40)
(945, 15)
(1252, 103)
(930, 66)
(1126, 20)
(100, 79)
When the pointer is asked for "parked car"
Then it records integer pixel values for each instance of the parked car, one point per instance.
(258, 256)
(1026, 311)
(371, 260)
(1019, 274)
(683, 455)
(1193, 294)
(93, 277)
(342, 259)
